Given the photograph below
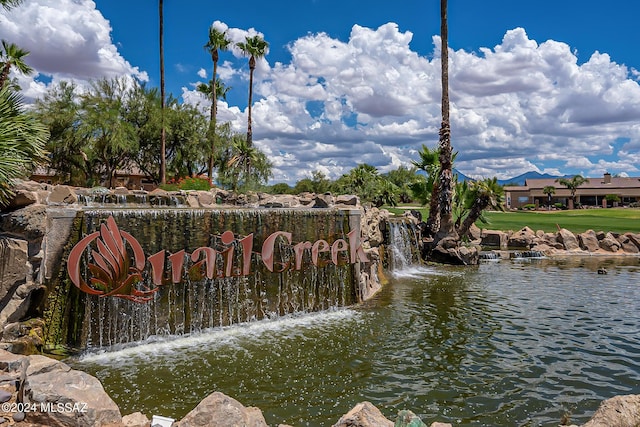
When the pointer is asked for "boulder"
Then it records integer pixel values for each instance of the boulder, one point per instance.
(206, 198)
(407, 418)
(62, 195)
(192, 201)
(137, 419)
(522, 239)
(626, 244)
(347, 200)
(609, 243)
(494, 239)
(634, 238)
(449, 251)
(323, 200)
(364, 414)
(14, 267)
(619, 411)
(73, 397)
(23, 198)
(218, 409)
(588, 241)
(568, 240)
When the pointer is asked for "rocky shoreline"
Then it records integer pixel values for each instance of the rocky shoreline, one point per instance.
(39, 391)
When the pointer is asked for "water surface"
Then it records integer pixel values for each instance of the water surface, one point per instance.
(505, 343)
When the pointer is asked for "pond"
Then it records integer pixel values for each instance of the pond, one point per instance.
(504, 343)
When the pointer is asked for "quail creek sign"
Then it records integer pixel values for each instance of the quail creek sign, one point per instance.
(117, 262)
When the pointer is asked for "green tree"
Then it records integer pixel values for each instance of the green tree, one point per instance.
(549, 191)
(485, 194)
(254, 47)
(245, 166)
(12, 57)
(111, 141)
(573, 184)
(429, 189)
(402, 178)
(59, 110)
(446, 181)
(22, 142)
(217, 42)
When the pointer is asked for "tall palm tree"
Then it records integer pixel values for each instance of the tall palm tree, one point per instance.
(254, 47)
(12, 56)
(217, 41)
(445, 195)
(573, 184)
(549, 190)
(163, 135)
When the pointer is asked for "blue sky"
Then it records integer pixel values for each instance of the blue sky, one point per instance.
(548, 86)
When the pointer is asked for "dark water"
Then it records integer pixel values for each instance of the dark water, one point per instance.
(506, 343)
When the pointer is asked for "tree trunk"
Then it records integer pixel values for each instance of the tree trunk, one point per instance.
(214, 112)
(445, 195)
(252, 66)
(163, 143)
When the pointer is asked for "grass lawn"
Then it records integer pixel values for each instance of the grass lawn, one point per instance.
(616, 219)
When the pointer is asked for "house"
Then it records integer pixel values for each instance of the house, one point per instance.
(130, 177)
(592, 193)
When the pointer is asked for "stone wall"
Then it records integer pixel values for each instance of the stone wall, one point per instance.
(38, 222)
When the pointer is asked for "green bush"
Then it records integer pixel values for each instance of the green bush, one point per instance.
(529, 206)
(559, 206)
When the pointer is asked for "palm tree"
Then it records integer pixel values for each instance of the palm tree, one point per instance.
(217, 41)
(10, 4)
(22, 141)
(246, 165)
(549, 190)
(430, 164)
(12, 56)
(573, 184)
(255, 47)
(486, 194)
(163, 134)
(445, 190)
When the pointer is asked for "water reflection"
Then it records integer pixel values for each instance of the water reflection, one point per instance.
(506, 343)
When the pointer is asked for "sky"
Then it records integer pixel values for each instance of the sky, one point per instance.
(548, 86)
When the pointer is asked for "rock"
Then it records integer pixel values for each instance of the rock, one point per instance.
(475, 232)
(347, 200)
(62, 195)
(364, 414)
(449, 251)
(206, 199)
(588, 241)
(5, 396)
(137, 419)
(494, 239)
(627, 245)
(218, 409)
(280, 201)
(192, 201)
(521, 239)
(52, 383)
(407, 418)
(14, 267)
(29, 223)
(568, 240)
(437, 424)
(23, 198)
(323, 200)
(619, 411)
(609, 243)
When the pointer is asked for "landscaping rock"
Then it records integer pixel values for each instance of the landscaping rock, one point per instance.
(218, 409)
(619, 411)
(522, 239)
(494, 239)
(627, 245)
(62, 195)
(588, 241)
(364, 414)
(568, 240)
(609, 243)
(407, 418)
(137, 419)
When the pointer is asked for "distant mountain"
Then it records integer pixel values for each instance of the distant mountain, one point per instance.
(520, 179)
(461, 176)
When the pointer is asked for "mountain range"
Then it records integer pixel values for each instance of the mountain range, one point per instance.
(516, 180)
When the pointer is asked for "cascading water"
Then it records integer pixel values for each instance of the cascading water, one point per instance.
(238, 283)
(403, 245)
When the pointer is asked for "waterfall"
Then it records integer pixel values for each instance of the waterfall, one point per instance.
(224, 277)
(403, 244)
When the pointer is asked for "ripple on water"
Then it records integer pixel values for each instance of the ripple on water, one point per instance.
(502, 344)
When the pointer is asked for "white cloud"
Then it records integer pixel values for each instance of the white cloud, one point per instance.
(66, 39)
(519, 106)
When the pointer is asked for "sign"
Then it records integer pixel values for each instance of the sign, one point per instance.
(115, 273)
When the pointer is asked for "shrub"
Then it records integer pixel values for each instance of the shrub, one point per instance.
(559, 206)
(529, 206)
